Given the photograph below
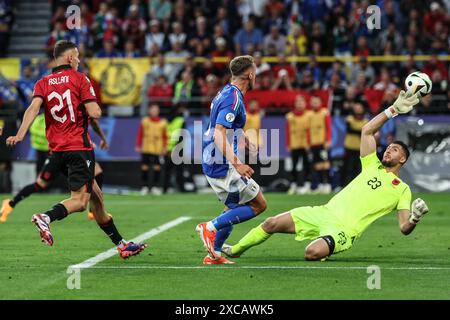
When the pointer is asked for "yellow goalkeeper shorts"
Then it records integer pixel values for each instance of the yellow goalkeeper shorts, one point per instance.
(316, 222)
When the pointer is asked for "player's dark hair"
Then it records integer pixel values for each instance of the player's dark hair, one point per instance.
(240, 64)
(404, 147)
(61, 47)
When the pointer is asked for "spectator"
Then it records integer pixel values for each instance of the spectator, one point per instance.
(200, 41)
(248, 35)
(315, 70)
(6, 18)
(434, 16)
(297, 41)
(364, 67)
(391, 35)
(112, 26)
(99, 24)
(108, 50)
(222, 20)
(58, 33)
(351, 97)
(307, 81)
(385, 82)
(177, 56)
(160, 9)
(140, 8)
(209, 89)
(133, 28)
(342, 38)
(25, 86)
(318, 36)
(410, 47)
(336, 67)
(185, 89)
(161, 92)
(362, 48)
(282, 81)
(130, 50)
(154, 38)
(435, 64)
(289, 72)
(352, 142)
(177, 34)
(221, 67)
(262, 68)
(276, 39)
(219, 32)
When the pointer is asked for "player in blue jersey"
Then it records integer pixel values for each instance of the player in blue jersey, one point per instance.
(227, 175)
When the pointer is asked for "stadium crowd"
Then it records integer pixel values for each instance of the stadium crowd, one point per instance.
(172, 33)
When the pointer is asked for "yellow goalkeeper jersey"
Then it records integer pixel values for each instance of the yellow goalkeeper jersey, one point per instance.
(371, 195)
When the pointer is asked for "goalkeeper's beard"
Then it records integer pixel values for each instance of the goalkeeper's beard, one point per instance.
(388, 164)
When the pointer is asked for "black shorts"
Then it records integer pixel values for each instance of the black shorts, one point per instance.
(319, 154)
(150, 159)
(77, 166)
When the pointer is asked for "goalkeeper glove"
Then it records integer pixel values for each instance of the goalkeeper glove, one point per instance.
(418, 210)
(404, 104)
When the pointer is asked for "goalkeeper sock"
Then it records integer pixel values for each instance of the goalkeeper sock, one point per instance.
(255, 237)
(233, 216)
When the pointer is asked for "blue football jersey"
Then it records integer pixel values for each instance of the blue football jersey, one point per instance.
(227, 109)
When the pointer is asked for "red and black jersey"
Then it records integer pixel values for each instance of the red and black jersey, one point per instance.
(64, 92)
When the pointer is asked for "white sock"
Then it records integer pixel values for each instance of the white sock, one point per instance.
(46, 218)
(122, 244)
(210, 226)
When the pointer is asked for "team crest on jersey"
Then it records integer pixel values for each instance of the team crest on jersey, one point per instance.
(395, 182)
(230, 117)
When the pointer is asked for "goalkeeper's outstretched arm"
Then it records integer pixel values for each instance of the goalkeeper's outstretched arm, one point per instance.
(403, 104)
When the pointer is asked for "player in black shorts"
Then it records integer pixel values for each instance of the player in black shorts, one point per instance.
(49, 172)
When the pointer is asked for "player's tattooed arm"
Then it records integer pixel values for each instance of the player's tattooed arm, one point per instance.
(98, 130)
(221, 141)
(28, 118)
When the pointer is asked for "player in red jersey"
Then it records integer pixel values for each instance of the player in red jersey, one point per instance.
(69, 101)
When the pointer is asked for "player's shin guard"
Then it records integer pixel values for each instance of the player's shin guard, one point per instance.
(221, 236)
(233, 216)
(25, 192)
(255, 237)
(111, 231)
(58, 212)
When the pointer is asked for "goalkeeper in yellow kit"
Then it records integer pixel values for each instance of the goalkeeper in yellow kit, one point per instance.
(375, 192)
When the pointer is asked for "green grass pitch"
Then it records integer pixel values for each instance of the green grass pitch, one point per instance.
(412, 267)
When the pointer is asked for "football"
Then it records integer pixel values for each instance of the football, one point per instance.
(418, 82)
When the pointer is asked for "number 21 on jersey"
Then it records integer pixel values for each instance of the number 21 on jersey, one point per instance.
(60, 105)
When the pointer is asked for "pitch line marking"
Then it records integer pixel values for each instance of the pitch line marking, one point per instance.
(89, 263)
(267, 267)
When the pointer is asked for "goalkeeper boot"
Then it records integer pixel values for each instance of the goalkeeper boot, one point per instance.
(221, 260)
(208, 238)
(40, 221)
(5, 210)
(131, 249)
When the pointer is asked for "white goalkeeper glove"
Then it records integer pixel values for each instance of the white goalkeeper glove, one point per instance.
(418, 210)
(403, 104)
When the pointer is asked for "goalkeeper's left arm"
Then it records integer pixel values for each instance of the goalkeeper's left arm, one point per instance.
(409, 219)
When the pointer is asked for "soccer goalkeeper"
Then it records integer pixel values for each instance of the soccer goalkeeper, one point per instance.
(375, 192)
